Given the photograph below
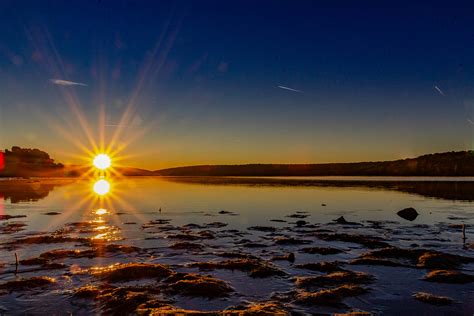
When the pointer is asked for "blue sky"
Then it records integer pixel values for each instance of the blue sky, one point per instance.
(203, 78)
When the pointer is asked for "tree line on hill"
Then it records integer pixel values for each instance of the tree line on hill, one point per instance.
(459, 163)
(26, 162)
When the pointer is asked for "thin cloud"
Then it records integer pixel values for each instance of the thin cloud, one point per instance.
(289, 89)
(470, 121)
(439, 90)
(61, 82)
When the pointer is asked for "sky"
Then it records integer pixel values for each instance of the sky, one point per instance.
(173, 83)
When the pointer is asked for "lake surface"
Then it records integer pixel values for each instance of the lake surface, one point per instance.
(130, 215)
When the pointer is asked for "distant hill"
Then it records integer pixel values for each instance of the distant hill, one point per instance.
(459, 163)
(25, 162)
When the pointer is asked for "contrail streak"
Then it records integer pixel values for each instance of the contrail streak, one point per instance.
(439, 90)
(61, 82)
(290, 89)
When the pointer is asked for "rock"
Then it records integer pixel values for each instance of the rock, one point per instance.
(227, 213)
(297, 215)
(278, 220)
(301, 223)
(432, 299)
(341, 220)
(410, 214)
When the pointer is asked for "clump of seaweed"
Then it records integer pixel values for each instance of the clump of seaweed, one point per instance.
(260, 308)
(421, 258)
(26, 284)
(5, 217)
(290, 241)
(120, 300)
(286, 257)
(320, 266)
(186, 246)
(334, 279)
(50, 239)
(432, 299)
(57, 254)
(365, 240)
(368, 260)
(239, 255)
(449, 276)
(321, 250)
(255, 268)
(11, 228)
(266, 229)
(329, 297)
(132, 271)
(196, 285)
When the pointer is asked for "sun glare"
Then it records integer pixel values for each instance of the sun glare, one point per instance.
(101, 211)
(102, 187)
(102, 161)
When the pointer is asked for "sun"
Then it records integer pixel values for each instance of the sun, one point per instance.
(102, 187)
(102, 161)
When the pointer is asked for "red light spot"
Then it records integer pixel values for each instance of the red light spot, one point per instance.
(2, 161)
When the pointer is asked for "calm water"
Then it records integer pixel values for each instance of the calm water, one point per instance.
(133, 202)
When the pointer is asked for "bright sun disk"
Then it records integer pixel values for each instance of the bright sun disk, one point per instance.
(102, 161)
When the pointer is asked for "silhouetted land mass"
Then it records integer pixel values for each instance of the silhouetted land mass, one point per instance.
(459, 163)
(26, 162)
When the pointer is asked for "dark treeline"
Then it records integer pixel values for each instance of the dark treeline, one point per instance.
(459, 163)
(27, 162)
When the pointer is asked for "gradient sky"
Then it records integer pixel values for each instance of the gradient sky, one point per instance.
(203, 79)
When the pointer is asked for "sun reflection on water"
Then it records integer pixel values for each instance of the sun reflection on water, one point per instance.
(102, 187)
